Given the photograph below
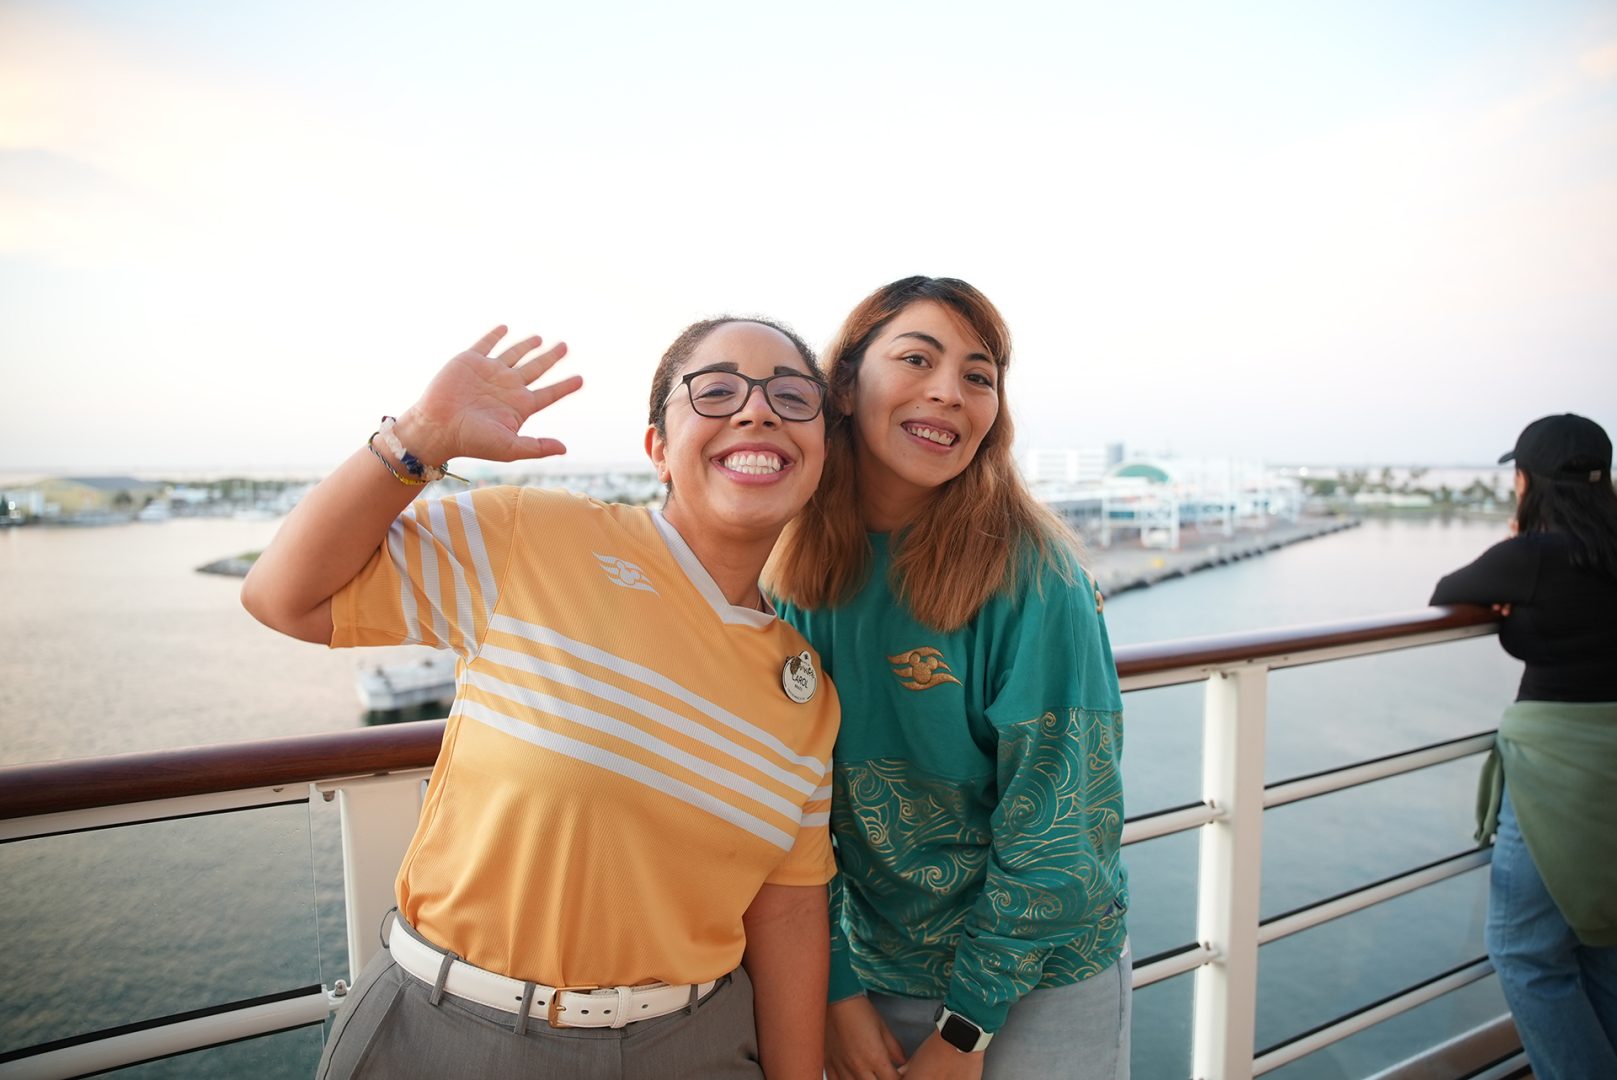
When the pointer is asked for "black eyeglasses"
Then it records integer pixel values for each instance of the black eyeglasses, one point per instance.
(715, 394)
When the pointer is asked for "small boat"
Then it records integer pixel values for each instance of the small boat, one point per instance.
(429, 680)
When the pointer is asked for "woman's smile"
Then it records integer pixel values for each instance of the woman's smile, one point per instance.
(926, 394)
(752, 463)
(746, 474)
(934, 432)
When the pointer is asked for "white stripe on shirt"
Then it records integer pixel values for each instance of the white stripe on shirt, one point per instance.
(566, 676)
(610, 725)
(407, 605)
(478, 551)
(544, 636)
(439, 522)
(628, 768)
(429, 576)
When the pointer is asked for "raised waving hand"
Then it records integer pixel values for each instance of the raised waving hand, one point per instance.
(474, 407)
(477, 403)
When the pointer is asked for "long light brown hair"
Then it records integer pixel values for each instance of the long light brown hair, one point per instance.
(976, 534)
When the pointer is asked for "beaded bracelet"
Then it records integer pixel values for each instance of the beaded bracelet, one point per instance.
(371, 442)
(390, 440)
(420, 472)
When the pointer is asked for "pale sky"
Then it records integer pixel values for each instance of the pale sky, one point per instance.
(1324, 232)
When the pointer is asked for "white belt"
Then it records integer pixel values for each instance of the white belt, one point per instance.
(562, 1006)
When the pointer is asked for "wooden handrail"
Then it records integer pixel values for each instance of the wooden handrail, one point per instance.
(58, 786)
(1222, 649)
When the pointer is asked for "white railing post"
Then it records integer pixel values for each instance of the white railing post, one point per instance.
(379, 817)
(1230, 874)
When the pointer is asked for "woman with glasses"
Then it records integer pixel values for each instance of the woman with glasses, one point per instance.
(978, 917)
(620, 865)
(1546, 792)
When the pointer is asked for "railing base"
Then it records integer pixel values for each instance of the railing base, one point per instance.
(1467, 1054)
(210, 1027)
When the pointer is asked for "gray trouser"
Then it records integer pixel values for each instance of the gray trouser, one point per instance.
(388, 1027)
(1074, 1032)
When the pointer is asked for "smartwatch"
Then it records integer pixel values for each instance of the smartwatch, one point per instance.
(961, 1033)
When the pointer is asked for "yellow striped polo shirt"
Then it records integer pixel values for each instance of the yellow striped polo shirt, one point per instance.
(626, 762)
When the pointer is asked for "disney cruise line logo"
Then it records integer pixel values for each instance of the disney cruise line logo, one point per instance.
(625, 573)
(921, 669)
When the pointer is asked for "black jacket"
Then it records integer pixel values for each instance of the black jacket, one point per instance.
(1563, 621)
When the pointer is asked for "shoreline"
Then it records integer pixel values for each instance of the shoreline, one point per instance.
(1117, 569)
(1124, 568)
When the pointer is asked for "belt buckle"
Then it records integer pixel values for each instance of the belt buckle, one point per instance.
(554, 1005)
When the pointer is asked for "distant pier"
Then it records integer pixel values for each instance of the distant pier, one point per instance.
(1117, 569)
(234, 566)
(1126, 566)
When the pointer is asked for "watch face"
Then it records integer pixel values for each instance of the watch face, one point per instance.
(960, 1033)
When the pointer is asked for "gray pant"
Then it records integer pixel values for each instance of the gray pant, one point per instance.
(1075, 1032)
(388, 1027)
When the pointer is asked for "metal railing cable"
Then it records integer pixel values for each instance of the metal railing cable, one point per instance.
(1349, 901)
(1306, 1042)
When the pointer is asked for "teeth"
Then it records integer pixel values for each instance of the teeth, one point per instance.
(942, 438)
(752, 463)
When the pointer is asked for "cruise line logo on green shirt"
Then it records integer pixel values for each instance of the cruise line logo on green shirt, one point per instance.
(921, 669)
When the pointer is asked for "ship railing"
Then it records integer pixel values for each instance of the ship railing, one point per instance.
(376, 777)
(1229, 818)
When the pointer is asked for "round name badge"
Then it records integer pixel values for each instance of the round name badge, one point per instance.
(797, 677)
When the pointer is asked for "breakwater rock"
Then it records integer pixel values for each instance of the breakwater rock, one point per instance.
(1127, 566)
(235, 566)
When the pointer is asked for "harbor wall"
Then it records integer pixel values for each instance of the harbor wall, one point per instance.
(1122, 567)
(1116, 569)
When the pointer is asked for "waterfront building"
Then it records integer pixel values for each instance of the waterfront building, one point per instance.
(1485, 488)
(18, 505)
(1151, 499)
(1393, 500)
(90, 499)
(1067, 467)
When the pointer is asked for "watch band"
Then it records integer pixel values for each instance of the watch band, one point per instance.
(960, 1033)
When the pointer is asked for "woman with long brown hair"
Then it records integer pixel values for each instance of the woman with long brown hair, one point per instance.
(978, 914)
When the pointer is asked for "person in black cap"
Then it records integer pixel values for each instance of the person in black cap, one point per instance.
(1545, 793)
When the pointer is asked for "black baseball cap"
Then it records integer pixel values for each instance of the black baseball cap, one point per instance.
(1566, 447)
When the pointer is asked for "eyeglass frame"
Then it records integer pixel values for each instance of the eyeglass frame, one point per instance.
(752, 384)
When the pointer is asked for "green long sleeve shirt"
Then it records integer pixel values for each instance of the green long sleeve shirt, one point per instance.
(977, 807)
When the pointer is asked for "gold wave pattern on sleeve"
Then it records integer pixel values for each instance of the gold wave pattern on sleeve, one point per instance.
(914, 852)
(1057, 891)
(1046, 910)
